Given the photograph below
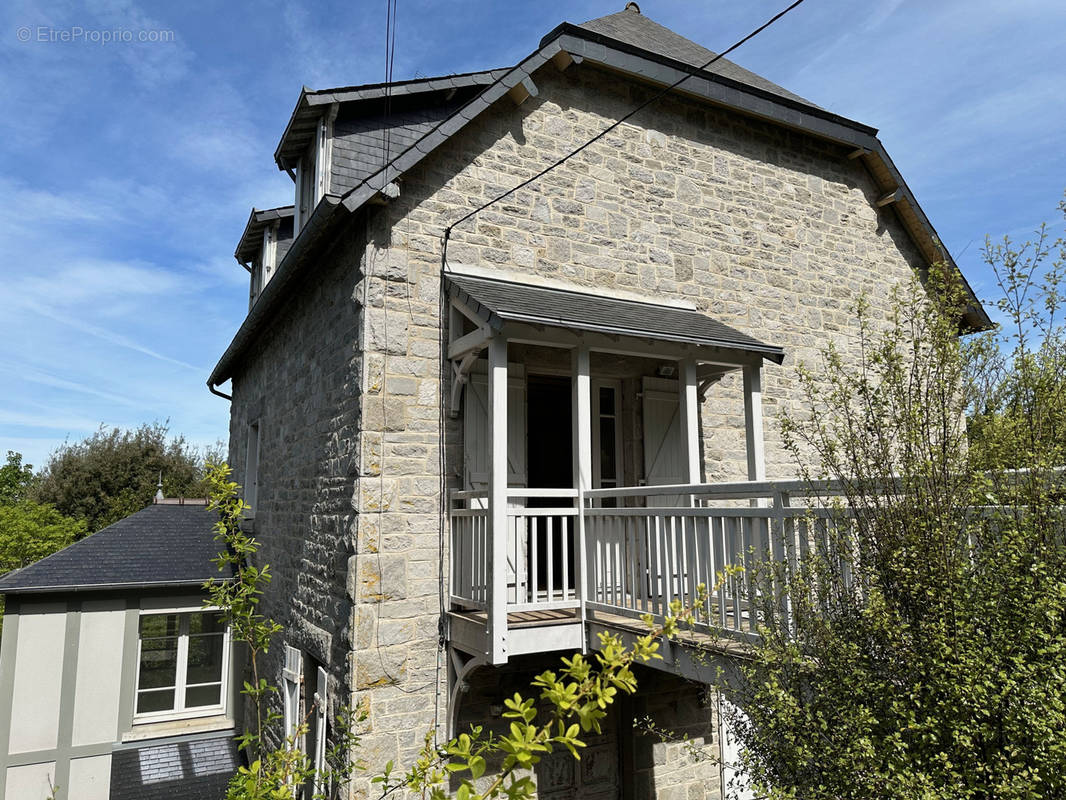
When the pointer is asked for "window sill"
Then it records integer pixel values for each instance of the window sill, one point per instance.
(156, 729)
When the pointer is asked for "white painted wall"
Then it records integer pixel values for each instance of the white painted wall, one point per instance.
(90, 778)
(38, 678)
(99, 684)
(31, 782)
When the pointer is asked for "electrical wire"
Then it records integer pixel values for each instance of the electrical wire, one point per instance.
(613, 125)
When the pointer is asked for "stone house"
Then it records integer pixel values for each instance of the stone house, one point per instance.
(454, 444)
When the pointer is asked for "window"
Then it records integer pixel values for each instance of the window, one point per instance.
(182, 663)
(251, 469)
(606, 436)
(312, 171)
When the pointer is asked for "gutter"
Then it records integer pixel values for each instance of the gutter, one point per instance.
(103, 587)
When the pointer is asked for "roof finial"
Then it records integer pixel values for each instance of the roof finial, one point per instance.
(159, 489)
(632, 7)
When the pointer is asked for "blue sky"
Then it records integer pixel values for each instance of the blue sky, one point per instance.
(130, 167)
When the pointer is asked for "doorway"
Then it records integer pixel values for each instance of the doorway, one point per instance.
(549, 465)
(549, 445)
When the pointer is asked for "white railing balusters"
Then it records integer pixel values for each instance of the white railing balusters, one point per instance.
(636, 555)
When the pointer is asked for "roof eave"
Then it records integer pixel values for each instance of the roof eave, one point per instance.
(301, 102)
(113, 587)
(570, 29)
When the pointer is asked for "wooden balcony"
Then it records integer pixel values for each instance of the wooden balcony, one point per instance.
(609, 556)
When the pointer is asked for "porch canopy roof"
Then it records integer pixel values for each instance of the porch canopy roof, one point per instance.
(499, 302)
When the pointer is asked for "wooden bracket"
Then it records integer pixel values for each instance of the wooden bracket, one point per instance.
(390, 191)
(521, 92)
(859, 153)
(460, 375)
(563, 59)
(891, 197)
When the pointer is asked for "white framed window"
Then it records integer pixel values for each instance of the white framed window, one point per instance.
(313, 171)
(182, 664)
(606, 435)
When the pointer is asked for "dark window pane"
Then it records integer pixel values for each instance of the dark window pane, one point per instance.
(159, 660)
(607, 450)
(203, 696)
(159, 625)
(606, 400)
(205, 659)
(206, 622)
(148, 702)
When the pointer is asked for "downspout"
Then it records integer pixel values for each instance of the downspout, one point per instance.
(211, 388)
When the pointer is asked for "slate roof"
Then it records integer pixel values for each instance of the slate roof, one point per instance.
(359, 141)
(252, 237)
(197, 769)
(503, 301)
(161, 545)
(313, 103)
(632, 28)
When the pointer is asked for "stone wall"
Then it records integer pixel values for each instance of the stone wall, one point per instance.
(768, 230)
(659, 744)
(302, 383)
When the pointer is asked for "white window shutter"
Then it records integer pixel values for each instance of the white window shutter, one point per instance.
(290, 679)
(476, 445)
(664, 456)
(321, 706)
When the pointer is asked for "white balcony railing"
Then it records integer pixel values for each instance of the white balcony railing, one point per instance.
(541, 550)
(641, 548)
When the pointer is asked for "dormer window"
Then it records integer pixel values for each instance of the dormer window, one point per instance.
(312, 172)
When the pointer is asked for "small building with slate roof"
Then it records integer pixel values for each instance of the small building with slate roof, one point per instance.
(115, 683)
(512, 324)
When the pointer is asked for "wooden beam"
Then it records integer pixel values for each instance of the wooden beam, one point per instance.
(471, 342)
(390, 191)
(859, 153)
(891, 197)
(753, 423)
(690, 419)
(460, 372)
(474, 317)
(521, 92)
(650, 347)
(498, 527)
(562, 60)
(581, 389)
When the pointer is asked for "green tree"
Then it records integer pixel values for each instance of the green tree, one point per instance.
(923, 651)
(16, 479)
(113, 473)
(30, 531)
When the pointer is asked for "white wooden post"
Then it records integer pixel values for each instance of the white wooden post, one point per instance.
(753, 422)
(498, 499)
(690, 420)
(581, 387)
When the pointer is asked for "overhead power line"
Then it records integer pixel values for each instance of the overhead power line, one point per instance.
(613, 125)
